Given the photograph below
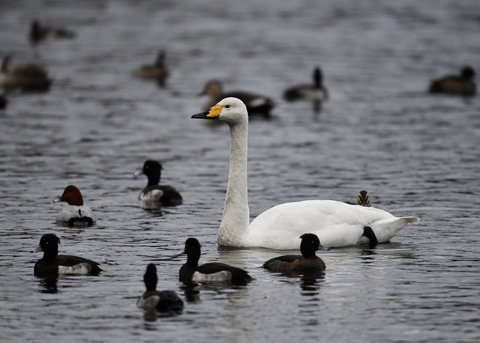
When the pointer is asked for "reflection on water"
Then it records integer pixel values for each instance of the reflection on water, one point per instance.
(191, 292)
(311, 283)
(48, 284)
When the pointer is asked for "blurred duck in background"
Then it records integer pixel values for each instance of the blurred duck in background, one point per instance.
(462, 84)
(39, 33)
(257, 105)
(157, 71)
(315, 92)
(27, 78)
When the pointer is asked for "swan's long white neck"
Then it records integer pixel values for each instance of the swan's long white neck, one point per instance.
(235, 220)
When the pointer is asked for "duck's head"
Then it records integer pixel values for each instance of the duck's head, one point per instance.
(192, 249)
(152, 169)
(310, 243)
(231, 110)
(150, 277)
(212, 88)
(363, 199)
(49, 244)
(72, 196)
(317, 76)
(468, 73)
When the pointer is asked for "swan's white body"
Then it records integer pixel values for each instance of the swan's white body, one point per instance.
(335, 223)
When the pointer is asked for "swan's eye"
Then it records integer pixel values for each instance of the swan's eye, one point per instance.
(227, 106)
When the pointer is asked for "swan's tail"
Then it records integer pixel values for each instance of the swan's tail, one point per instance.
(385, 229)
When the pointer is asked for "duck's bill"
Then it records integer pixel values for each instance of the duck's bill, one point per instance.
(321, 247)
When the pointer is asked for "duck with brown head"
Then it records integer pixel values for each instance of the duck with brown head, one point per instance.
(75, 213)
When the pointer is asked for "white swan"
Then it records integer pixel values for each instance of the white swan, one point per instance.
(335, 223)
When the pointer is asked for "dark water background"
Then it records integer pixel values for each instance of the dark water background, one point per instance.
(416, 154)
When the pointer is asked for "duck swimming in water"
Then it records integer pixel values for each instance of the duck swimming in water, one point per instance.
(157, 71)
(363, 199)
(38, 32)
(208, 272)
(75, 213)
(27, 78)
(162, 301)
(462, 84)
(306, 262)
(335, 223)
(315, 92)
(54, 264)
(154, 193)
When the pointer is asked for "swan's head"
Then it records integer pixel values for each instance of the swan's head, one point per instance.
(230, 110)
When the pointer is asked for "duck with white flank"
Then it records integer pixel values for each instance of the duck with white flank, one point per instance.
(208, 272)
(335, 223)
(316, 92)
(54, 264)
(153, 193)
(27, 78)
(75, 213)
(162, 301)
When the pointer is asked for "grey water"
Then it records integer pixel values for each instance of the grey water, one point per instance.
(415, 153)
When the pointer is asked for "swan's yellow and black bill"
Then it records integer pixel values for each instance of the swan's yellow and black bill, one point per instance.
(214, 113)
